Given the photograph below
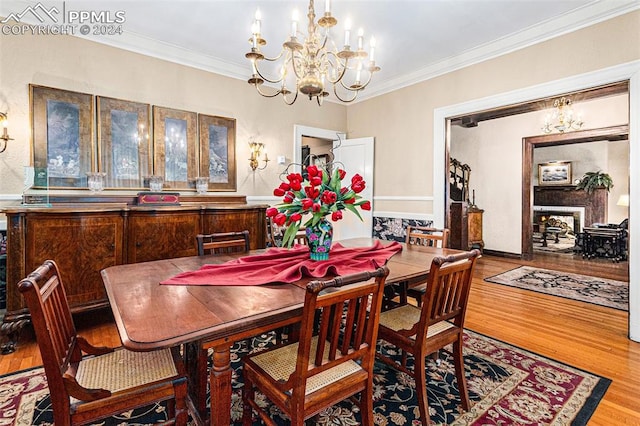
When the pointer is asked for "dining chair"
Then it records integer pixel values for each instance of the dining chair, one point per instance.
(108, 382)
(275, 234)
(426, 237)
(327, 365)
(195, 356)
(224, 242)
(421, 331)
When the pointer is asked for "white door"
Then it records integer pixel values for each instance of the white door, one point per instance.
(356, 156)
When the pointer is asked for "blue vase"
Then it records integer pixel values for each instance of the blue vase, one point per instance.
(319, 239)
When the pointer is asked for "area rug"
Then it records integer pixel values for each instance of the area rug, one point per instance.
(599, 291)
(507, 385)
(563, 246)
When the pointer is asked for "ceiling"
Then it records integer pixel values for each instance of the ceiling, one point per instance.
(416, 39)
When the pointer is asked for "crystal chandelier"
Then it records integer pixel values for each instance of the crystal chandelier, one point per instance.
(312, 63)
(563, 113)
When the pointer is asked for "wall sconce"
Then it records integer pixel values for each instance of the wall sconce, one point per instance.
(257, 149)
(5, 133)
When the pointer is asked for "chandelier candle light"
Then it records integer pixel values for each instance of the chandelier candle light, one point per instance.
(314, 61)
(564, 114)
(321, 195)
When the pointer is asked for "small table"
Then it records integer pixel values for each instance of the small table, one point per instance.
(554, 230)
(151, 316)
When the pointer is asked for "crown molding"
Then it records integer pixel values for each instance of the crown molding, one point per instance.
(590, 14)
(586, 16)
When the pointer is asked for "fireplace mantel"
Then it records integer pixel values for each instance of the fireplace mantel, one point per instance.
(595, 203)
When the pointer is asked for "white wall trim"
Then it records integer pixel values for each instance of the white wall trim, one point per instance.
(628, 71)
(10, 197)
(266, 199)
(403, 215)
(402, 198)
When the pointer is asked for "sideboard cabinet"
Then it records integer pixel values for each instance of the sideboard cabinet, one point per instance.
(86, 238)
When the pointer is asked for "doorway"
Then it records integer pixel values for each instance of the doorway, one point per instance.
(613, 133)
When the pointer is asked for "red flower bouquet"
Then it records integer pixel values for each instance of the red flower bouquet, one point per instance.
(322, 194)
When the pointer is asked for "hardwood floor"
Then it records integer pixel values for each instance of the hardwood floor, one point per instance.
(586, 336)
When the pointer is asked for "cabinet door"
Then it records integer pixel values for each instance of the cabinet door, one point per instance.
(81, 246)
(157, 235)
(253, 220)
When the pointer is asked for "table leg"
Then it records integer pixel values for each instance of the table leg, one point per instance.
(220, 386)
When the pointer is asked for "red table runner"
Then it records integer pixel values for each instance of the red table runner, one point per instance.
(288, 265)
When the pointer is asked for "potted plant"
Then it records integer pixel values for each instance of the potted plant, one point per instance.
(592, 180)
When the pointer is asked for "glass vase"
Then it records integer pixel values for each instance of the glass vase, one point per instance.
(319, 238)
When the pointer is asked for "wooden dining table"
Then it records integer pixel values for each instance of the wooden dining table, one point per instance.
(151, 316)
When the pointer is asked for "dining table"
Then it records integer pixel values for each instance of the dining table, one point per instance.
(151, 316)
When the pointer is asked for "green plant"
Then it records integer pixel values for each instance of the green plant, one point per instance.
(592, 180)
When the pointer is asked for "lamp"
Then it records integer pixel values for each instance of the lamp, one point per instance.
(314, 62)
(257, 149)
(623, 200)
(564, 114)
(5, 133)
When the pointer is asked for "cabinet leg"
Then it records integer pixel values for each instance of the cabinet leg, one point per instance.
(10, 332)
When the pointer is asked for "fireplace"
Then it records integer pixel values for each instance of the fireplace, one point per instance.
(573, 217)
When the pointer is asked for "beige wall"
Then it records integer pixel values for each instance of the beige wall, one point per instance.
(72, 63)
(402, 121)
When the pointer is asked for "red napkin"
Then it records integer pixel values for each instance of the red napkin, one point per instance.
(288, 265)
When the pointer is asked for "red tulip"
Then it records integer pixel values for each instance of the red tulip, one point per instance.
(349, 200)
(356, 178)
(341, 174)
(307, 203)
(358, 186)
(280, 219)
(316, 207)
(329, 197)
(312, 171)
(316, 181)
(295, 217)
(337, 215)
(272, 211)
(289, 197)
(296, 185)
(278, 192)
(366, 205)
(285, 186)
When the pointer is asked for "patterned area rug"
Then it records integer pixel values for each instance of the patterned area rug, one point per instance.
(507, 386)
(599, 291)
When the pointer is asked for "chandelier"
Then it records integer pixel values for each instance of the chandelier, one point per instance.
(563, 113)
(311, 63)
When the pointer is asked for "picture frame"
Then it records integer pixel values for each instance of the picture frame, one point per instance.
(124, 143)
(218, 151)
(320, 160)
(554, 173)
(62, 124)
(174, 146)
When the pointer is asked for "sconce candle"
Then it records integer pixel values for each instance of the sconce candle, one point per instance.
(257, 149)
(5, 131)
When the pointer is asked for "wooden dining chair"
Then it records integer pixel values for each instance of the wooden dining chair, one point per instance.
(421, 331)
(326, 366)
(224, 242)
(426, 237)
(275, 234)
(107, 383)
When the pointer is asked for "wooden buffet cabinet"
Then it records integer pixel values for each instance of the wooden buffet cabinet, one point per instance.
(465, 225)
(86, 235)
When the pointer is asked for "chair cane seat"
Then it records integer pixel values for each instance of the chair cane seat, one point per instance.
(280, 363)
(123, 369)
(405, 316)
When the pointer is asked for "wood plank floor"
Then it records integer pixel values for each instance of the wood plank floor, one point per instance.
(583, 335)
